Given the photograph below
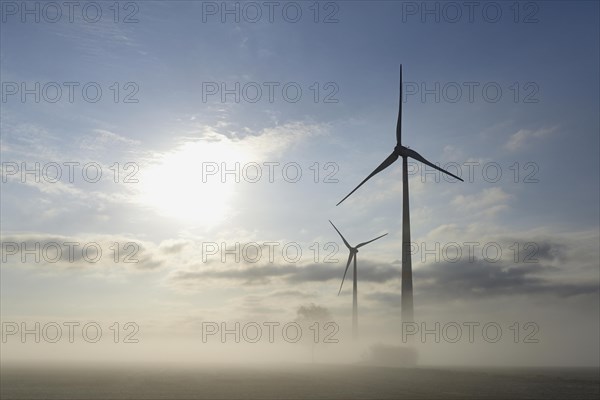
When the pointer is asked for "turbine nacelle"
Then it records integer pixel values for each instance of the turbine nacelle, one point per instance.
(401, 151)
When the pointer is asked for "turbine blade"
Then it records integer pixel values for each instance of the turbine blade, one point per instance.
(413, 154)
(342, 236)
(347, 265)
(399, 123)
(386, 163)
(378, 237)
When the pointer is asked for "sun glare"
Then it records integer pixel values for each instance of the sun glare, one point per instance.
(188, 183)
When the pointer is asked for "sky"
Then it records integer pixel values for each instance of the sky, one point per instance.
(190, 154)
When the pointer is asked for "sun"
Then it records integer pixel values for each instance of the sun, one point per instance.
(188, 183)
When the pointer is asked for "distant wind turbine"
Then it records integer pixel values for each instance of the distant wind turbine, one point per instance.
(353, 251)
(405, 153)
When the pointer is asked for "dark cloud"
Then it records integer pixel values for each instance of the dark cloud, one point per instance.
(484, 279)
(368, 271)
(250, 275)
(481, 279)
(72, 253)
(290, 294)
(532, 272)
(536, 249)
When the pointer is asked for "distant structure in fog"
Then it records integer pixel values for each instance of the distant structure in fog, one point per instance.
(353, 251)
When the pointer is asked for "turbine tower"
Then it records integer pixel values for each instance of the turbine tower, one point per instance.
(353, 251)
(405, 153)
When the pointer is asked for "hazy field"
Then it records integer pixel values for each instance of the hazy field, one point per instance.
(294, 382)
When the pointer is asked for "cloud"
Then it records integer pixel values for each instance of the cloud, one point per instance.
(533, 263)
(538, 264)
(279, 294)
(263, 143)
(48, 252)
(102, 40)
(368, 271)
(27, 140)
(479, 280)
(487, 203)
(103, 139)
(252, 275)
(171, 246)
(295, 275)
(521, 138)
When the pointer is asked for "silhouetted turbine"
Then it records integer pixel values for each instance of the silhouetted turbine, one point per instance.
(405, 153)
(353, 251)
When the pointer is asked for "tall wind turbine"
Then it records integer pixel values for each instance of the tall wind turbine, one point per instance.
(405, 153)
(353, 251)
